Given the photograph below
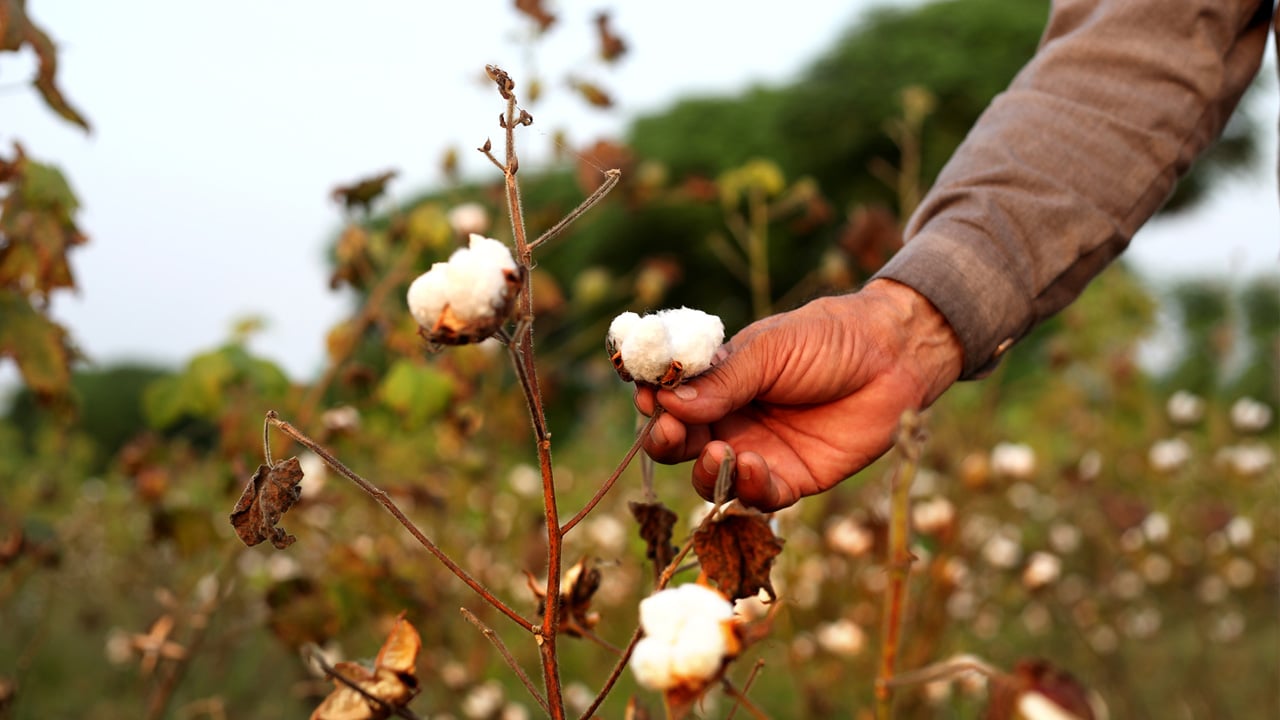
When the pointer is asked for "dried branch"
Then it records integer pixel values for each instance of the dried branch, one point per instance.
(611, 178)
(613, 478)
(909, 443)
(383, 499)
(746, 687)
(506, 655)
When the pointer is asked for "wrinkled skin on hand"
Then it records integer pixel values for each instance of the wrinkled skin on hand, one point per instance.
(807, 398)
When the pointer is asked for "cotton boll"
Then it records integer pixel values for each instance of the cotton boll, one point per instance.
(688, 635)
(646, 350)
(427, 295)
(695, 337)
(663, 348)
(467, 298)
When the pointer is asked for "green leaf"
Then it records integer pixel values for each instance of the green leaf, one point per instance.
(417, 392)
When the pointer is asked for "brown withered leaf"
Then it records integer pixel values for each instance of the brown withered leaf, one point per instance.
(16, 30)
(266, 498)
(656, 524)
(537, 12)
(392, 680)
(1035, 675)
(363, 192)
(592, 93)
(577, 587)
(736, 552)
(612, 47)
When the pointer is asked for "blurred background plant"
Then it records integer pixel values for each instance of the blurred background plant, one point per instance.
(1113, 515)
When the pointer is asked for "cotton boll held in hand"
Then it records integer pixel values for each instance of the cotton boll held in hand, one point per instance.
(664, 348)
(467, 298)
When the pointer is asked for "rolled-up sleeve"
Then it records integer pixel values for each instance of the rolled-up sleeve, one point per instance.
(1064, 166)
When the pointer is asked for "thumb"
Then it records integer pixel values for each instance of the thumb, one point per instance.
(737, 376)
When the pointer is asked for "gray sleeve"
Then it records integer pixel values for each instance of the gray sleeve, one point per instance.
(1064, 166)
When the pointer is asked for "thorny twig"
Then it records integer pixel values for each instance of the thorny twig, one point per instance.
(492, 636)
(391, 507)
(910, 440)
(312, 653)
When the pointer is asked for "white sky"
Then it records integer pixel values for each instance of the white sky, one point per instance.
(221, 127)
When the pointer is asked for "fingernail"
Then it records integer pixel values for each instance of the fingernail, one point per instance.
(685, 392)
(657, 435)
(709, 465)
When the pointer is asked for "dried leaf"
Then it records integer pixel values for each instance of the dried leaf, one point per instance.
(392, 680)
(592, 93)
(736, 552)
(656, 524)
(1054, 684)
(363, 192)
(612, 47)
(537, 12)
(16, 30)
(266, 498)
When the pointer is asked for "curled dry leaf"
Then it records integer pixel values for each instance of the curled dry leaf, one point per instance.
(17, 30)
(392, 681)
(736, 551)
(577, 588)
(266, 498)
(592, 93)
(363, 192)
(656, 524)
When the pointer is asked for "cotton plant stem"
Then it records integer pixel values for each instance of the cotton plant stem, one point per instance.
(613, 478)
(386, 502)
(616, 673)
(740, 700)
(899, 559)
(507, 656)
(946, 670)
(611, 178)
(746, 687)
(523, 357)
(758, 253)
(623, 659)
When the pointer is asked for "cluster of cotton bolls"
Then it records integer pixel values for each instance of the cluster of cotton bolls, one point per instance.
(689, 631)
(665, 347)
(468, 297)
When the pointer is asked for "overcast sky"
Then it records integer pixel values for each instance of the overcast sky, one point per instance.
(221, 127)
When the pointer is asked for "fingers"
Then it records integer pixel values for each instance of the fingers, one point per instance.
(753, 484)
(671, 441)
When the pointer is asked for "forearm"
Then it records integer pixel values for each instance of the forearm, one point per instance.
(1063, 168)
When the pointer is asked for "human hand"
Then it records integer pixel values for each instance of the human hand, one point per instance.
(808, 397)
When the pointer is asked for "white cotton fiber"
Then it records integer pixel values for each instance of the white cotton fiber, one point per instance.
(473, 283)
(650, 344)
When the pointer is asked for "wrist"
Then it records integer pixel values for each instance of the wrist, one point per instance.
(930, 351)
